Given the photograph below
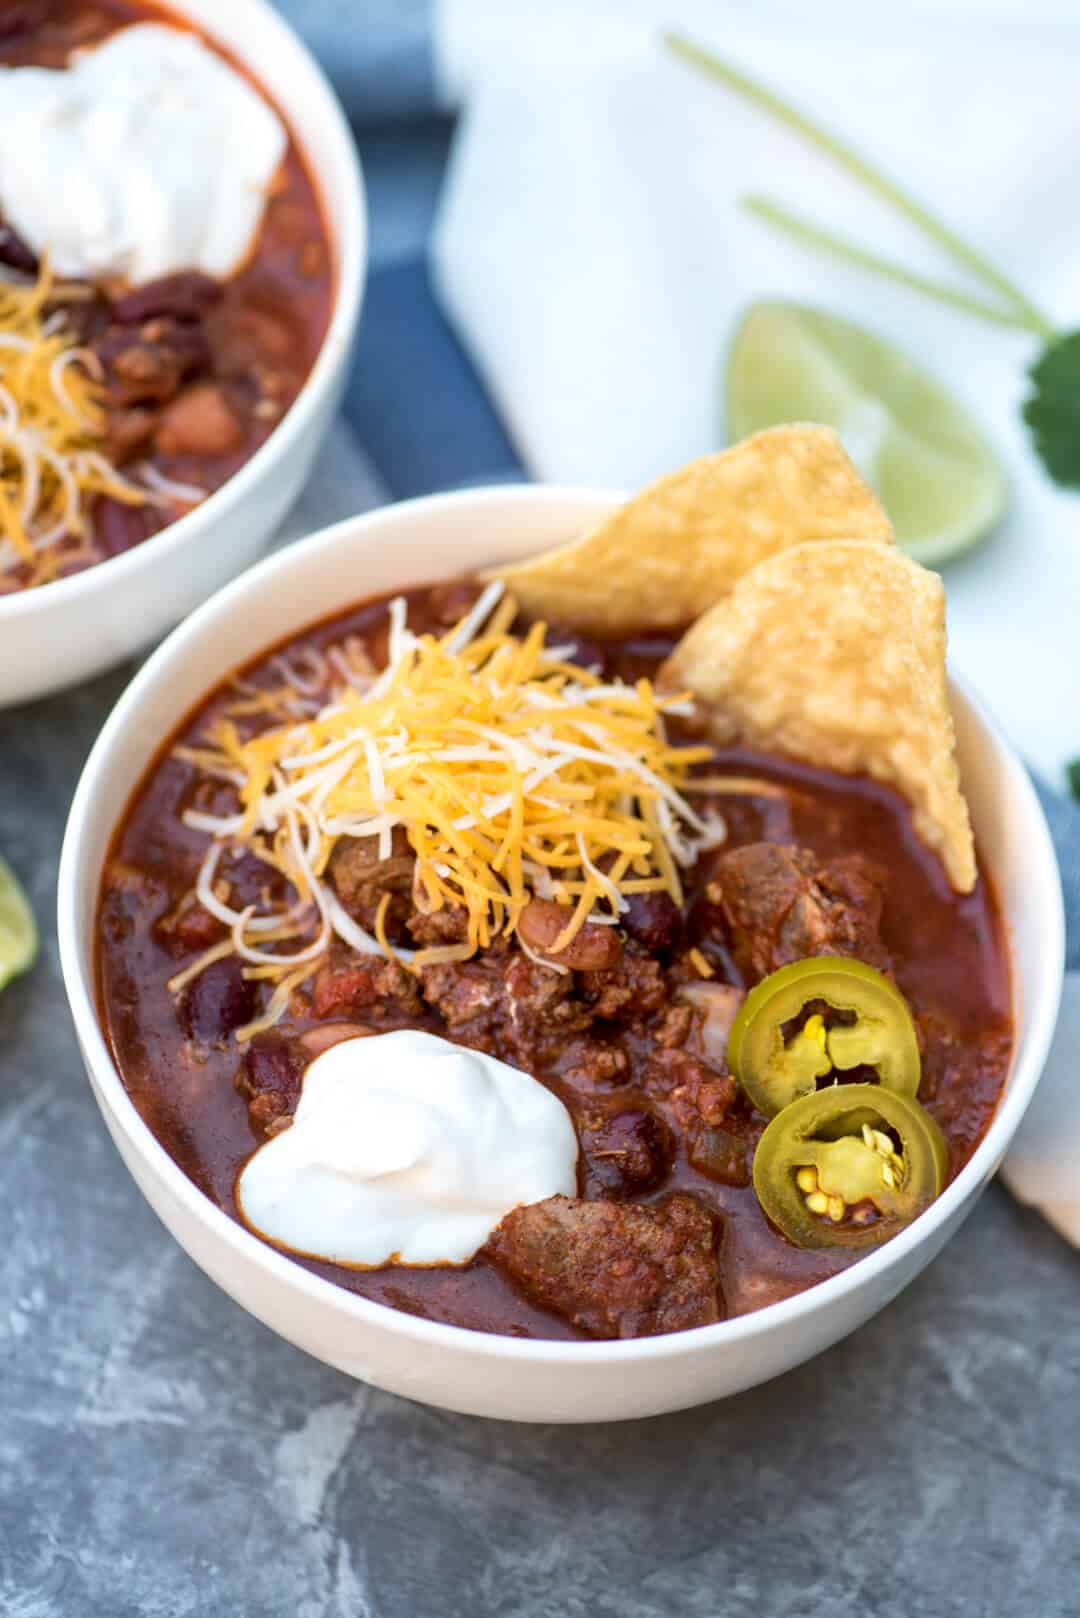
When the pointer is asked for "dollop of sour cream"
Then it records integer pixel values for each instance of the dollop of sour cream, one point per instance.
(405, 1147)
(147, 155)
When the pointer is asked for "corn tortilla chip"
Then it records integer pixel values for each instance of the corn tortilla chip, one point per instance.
(679, 546)
(835, 654)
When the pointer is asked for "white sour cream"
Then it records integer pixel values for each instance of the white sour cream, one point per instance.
(407, 1147)
(147, 155)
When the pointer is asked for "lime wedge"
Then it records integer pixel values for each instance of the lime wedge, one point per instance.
(916, 446)
(18, 929)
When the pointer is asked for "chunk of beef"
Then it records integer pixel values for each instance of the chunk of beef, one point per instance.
(360, 879)
(780, 904)
(450, 925)
(615, 1269)
(624, 1153)
(593, 948)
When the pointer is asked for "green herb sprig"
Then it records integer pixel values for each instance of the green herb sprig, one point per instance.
(1052, 409)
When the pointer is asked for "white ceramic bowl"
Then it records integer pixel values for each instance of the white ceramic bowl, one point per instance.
(425, 540)
(69, 631)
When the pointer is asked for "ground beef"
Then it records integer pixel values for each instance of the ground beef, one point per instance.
(779, 904)
(450, 925)
(630, 992)
(588, 1062)
(360, 879)
(364, 983)
(470, 997)
(694, 1091)
(615, 1269)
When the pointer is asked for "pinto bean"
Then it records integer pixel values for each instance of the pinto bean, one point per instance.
(199, 422)
(594, 949)
(317, 1040)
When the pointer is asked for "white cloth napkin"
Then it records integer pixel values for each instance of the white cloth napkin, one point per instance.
(593, 255)
(592, 252)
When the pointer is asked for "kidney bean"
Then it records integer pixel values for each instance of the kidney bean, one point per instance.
(270, 1079)
(185, 296)
(271, 1063)
(14, 252)
(148, 363)
(219, 1000)
(625, 1153)
(653, 919)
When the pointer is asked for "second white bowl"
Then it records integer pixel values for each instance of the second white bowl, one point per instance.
(61, 633)
(422, 541)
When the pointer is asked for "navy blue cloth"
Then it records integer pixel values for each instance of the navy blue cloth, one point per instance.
(377, 55)
(415, 400)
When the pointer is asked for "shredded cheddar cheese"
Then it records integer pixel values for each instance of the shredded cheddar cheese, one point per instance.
(511, 772)
(51, 430)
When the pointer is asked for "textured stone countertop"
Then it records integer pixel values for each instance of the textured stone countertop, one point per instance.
(163, 1455)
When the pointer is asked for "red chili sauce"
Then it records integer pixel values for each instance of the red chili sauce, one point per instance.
(619, 1047)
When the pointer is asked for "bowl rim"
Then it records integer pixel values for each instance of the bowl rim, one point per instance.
(1039, 1017)
(345, 220)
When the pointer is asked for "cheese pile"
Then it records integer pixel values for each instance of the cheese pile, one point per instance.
(51, 428)
(512, 772)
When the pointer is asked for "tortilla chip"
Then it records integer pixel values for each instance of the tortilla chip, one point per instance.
(835, 655)
(672, 551)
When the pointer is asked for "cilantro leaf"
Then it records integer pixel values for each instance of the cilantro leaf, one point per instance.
(1072, 775)
(1052, 411)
